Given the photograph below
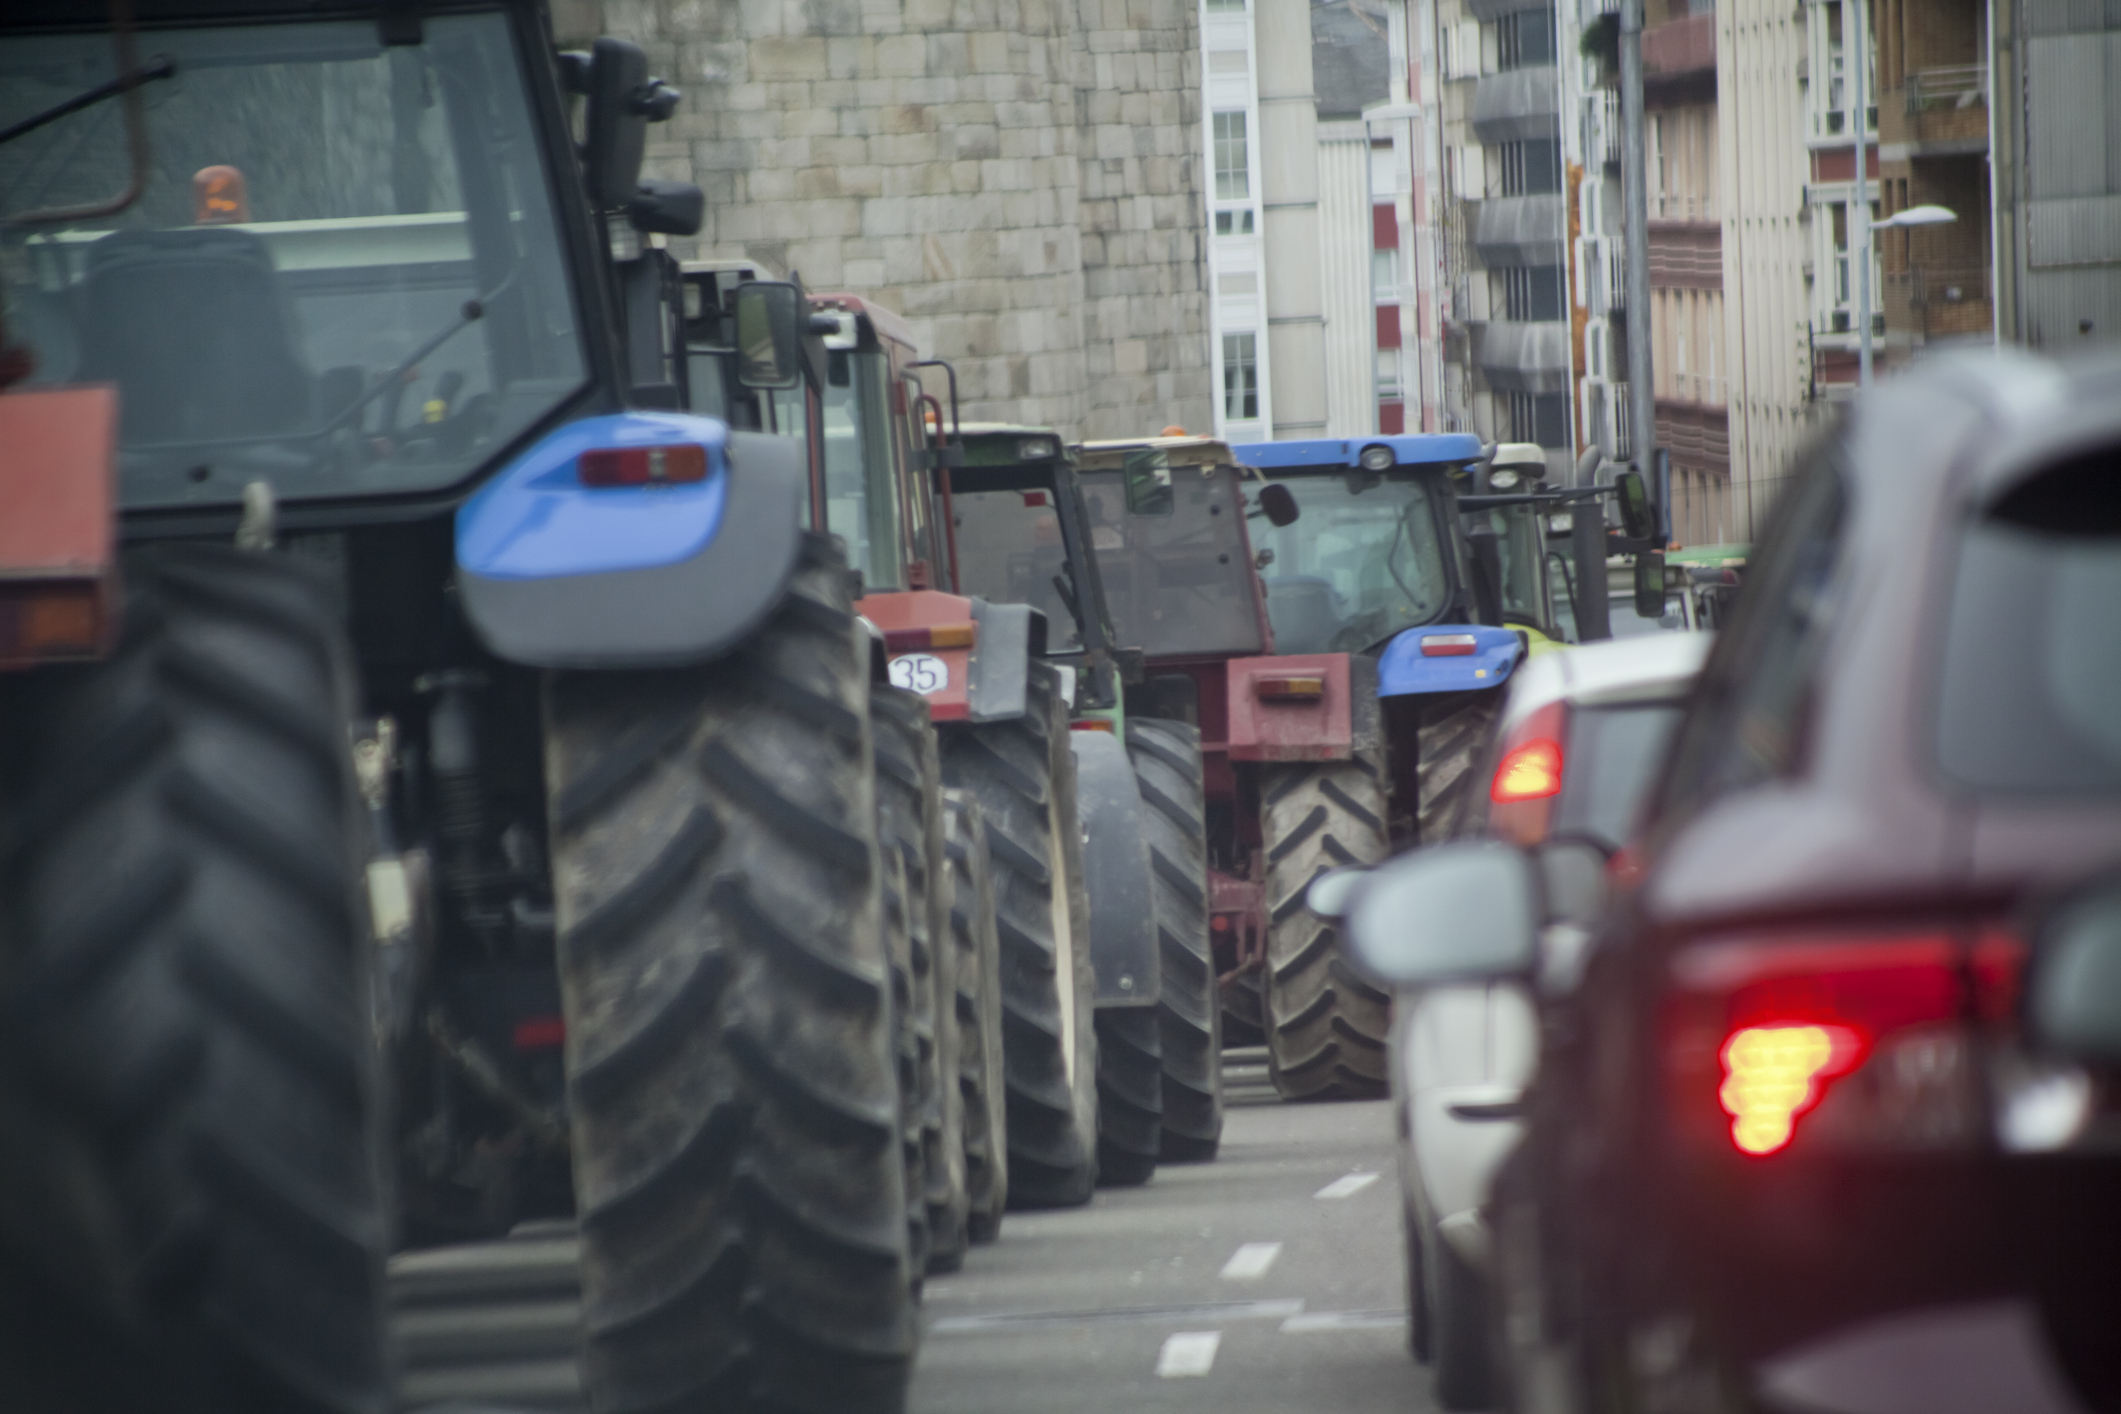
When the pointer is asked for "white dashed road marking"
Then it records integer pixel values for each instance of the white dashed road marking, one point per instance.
(1250, 1262)
(1347, 1186)
(1188, 1353)
(1343, 1321)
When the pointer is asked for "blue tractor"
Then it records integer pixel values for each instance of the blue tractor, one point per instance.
(448, 768)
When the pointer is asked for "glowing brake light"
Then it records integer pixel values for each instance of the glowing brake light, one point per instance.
(1448, 645)
(1531, 771)
(643, 466)
(1824, 1039)
(1772, 1074)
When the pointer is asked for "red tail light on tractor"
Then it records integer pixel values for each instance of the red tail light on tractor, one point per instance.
(1838, 1040)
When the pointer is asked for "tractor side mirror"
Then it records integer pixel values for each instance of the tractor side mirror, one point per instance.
(1279, 503)
(769, 334)
(1458, 912)
(1649, 584)
(615, 135)
(1637, 521)
(2073, 992)
(667, 208)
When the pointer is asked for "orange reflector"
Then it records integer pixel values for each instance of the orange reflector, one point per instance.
(643, 466)
(46, 623)
(1772, 1074)
(1528, 772)
(1035, 498)
(907, 640)
(1092, 724)
(1448, 645)
(1290, 689)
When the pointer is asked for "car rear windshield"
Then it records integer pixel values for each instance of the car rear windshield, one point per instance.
(1613, 753)
(2031, 696)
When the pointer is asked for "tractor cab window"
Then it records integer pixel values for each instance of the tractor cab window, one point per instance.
(1172, 550)
(1521, 542)
(861, 484)
(1361, 563)
(1010, 551)
(343, 276)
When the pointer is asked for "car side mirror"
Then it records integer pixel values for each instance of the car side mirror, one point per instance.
(1637, 522)
(1331, 892)
(667, 208)
(1649, 584)
(1279, 503)
(1458, 912)
(2073, 993)
(769, 334)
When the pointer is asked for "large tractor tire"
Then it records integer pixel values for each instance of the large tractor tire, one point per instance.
(977, 971)
(1325, 1026)
(906, 1061)
(1023, 774)
(1452, 735)
(193, 1201)
(1130, 1095)
(910, 796)
(1167, 770)
(730, 1049)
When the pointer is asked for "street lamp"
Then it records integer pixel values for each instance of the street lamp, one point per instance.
(1913, 216)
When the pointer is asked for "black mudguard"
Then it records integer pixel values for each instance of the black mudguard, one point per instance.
(688, 612)
(1116, 870)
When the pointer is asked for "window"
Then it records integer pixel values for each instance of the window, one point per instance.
(1540, 417)
(1388, 387)
(2032, 661)
(1234, 223)
(1233, 179)
(1240, 378)
(1524, 40)
(1531, 168)
(1755, 691)
(1384, 276)
(1532, 293)
(1226, 7)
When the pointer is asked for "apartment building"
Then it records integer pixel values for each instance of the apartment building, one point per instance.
(2055, 153)
(1304, 270)
(1687, 313)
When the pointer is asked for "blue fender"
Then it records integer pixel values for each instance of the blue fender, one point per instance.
(555, 574)
(1403, 670)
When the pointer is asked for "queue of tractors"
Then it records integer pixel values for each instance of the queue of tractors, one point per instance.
(509, 738)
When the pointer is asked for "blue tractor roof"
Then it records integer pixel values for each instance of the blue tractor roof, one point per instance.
(1408, 449)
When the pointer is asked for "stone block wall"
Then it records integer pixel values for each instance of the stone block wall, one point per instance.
(1020, 178)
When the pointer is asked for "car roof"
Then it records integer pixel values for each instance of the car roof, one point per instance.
(1003, 429)
(1655, 667)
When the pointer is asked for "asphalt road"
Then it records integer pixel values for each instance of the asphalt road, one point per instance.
(1266, 1282)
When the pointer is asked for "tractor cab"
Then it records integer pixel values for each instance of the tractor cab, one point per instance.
(1514, 519)
(1168, 522)
(1023, 533)
(1372, 551)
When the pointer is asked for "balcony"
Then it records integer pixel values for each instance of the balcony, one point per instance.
(1679, 60)
(1938, 303)
(1519, 230)
(1942, 111)
(1517, 104)
(1523, 357)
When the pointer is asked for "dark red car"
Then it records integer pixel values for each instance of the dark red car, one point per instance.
(1790, 1147)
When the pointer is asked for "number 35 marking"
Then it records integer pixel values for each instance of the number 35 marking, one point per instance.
(920, 672)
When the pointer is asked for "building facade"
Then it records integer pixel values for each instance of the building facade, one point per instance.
(1303, 313)
(1020, 178)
